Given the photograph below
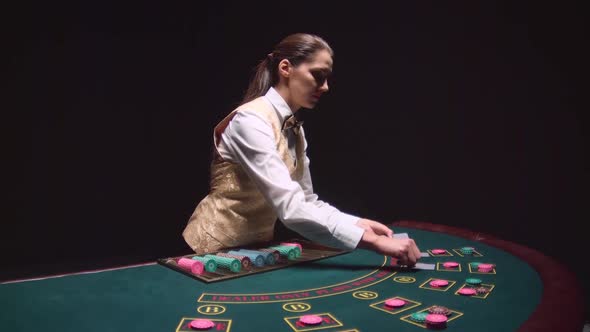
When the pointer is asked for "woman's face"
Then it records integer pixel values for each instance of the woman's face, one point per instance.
(309, 80)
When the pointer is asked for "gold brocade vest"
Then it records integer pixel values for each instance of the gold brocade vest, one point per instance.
(235, 213)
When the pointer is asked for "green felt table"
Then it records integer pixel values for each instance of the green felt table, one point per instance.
(529, 292)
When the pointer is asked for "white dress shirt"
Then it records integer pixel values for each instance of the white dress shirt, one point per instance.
(249, 140)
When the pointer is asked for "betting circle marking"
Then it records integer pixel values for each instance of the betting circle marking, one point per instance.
(211, 309)
(404, 280)
(296, 307)
(365, 295)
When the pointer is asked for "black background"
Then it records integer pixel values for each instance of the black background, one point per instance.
(466, 114)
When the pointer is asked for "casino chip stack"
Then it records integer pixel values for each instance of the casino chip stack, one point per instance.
(268, 257)
(473, 281)
(436, 321)
(485, 268)
(450, 265)
(191, 265)
(467, 291)
(293, 244)
(201, 324)
(275, 254)
(439, 283)
(210, 265)
(256, 259)
(244, 260)
(439, 251)
(311, 319)
(395, 303)
(439, 310)
(467, 250)
(419, 317)
(482, 290)
(231, 264)
(292, 253)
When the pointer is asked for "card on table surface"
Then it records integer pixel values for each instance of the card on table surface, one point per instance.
(424, 266)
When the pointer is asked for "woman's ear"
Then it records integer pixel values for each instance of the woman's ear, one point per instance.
(285, 68)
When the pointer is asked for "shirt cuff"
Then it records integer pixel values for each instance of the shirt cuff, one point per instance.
(347, 232)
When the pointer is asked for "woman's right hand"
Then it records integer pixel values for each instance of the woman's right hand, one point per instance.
(405, 250)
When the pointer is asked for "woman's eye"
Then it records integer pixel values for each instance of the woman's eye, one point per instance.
(319, 77)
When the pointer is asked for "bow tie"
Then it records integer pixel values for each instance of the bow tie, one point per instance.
(292, 122)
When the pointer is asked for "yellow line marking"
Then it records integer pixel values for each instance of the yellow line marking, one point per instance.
(200, 300)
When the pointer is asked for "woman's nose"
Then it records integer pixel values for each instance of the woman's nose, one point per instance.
(324, 87)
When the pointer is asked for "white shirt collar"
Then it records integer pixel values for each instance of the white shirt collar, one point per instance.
(280, 105)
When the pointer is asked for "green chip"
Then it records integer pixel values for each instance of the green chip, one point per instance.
(474, 264)
(419, 317)
(292, 253)
(467, 250)
(231, 264)
(235, 266)
(210, 265)
(473, 281)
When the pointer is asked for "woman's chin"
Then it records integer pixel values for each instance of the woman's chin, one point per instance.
(311, 104)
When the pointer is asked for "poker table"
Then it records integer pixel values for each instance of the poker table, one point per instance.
(527, 292)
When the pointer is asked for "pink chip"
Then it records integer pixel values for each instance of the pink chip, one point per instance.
(467, 291)
(201, 324)
(198, 268)
(450, 265)
(439, 283)
(186, 263)
(438, 251)
(484, 266)
(436, 318)
(194, 266)
(395, 303)
(310, 319)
